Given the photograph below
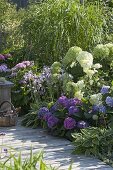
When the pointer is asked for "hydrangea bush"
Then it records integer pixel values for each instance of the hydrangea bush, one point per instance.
(68, 115)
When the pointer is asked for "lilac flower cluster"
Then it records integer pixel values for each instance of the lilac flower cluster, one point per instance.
(37, 82)
(23, 65)
(3, 68)
(5, 56)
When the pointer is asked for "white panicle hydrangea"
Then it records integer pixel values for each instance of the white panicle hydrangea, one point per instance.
(70, 85)
(97, 66)
(101, 51)
(90, 72)
(79, 94)
(96, 99)
(109, 45)
(71, 55)
(91, 82)
(85, 59)
(80, 84)
(56, 67)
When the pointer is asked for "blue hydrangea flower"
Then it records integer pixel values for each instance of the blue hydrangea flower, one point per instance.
(102, 109)
(109, 101)
(95, 108)
(72, 110)
(105, 89)
(82, 124)
(42, 111)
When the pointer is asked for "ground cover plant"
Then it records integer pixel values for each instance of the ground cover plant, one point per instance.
(95, 141)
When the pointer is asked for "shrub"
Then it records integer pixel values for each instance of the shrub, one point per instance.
(52, 27)
(9, 22)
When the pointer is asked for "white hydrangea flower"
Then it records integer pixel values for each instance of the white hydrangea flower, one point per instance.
(97, 66)
(80, 84)
(90, 72)
(91, 82)
(79, 94)
(85, 59)
(109, 45)
(96, 99)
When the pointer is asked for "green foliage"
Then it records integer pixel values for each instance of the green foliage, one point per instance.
(33, 162)
(9, 22)
(103, 53)
(50, 28)
(71, 55)
(31, 119)
(95, 141)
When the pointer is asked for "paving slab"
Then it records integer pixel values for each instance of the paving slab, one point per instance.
(57, 151)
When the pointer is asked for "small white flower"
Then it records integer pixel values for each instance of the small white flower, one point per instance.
(90, 73)
(91, 82)
(80, 84)
(97, 66)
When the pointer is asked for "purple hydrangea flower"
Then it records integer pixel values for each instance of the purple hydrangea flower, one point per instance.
(105, 89)
(69, 123)
(63, 100)
(47, 116)
(73, 102)
(52, 121)
(82, 124)
(109, 101)
(42, 111)
(54, 108)
(77, 101)
(102, 109)
(2, 57)
(72, 110)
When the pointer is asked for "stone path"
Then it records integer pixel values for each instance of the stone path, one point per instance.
(57, 151)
